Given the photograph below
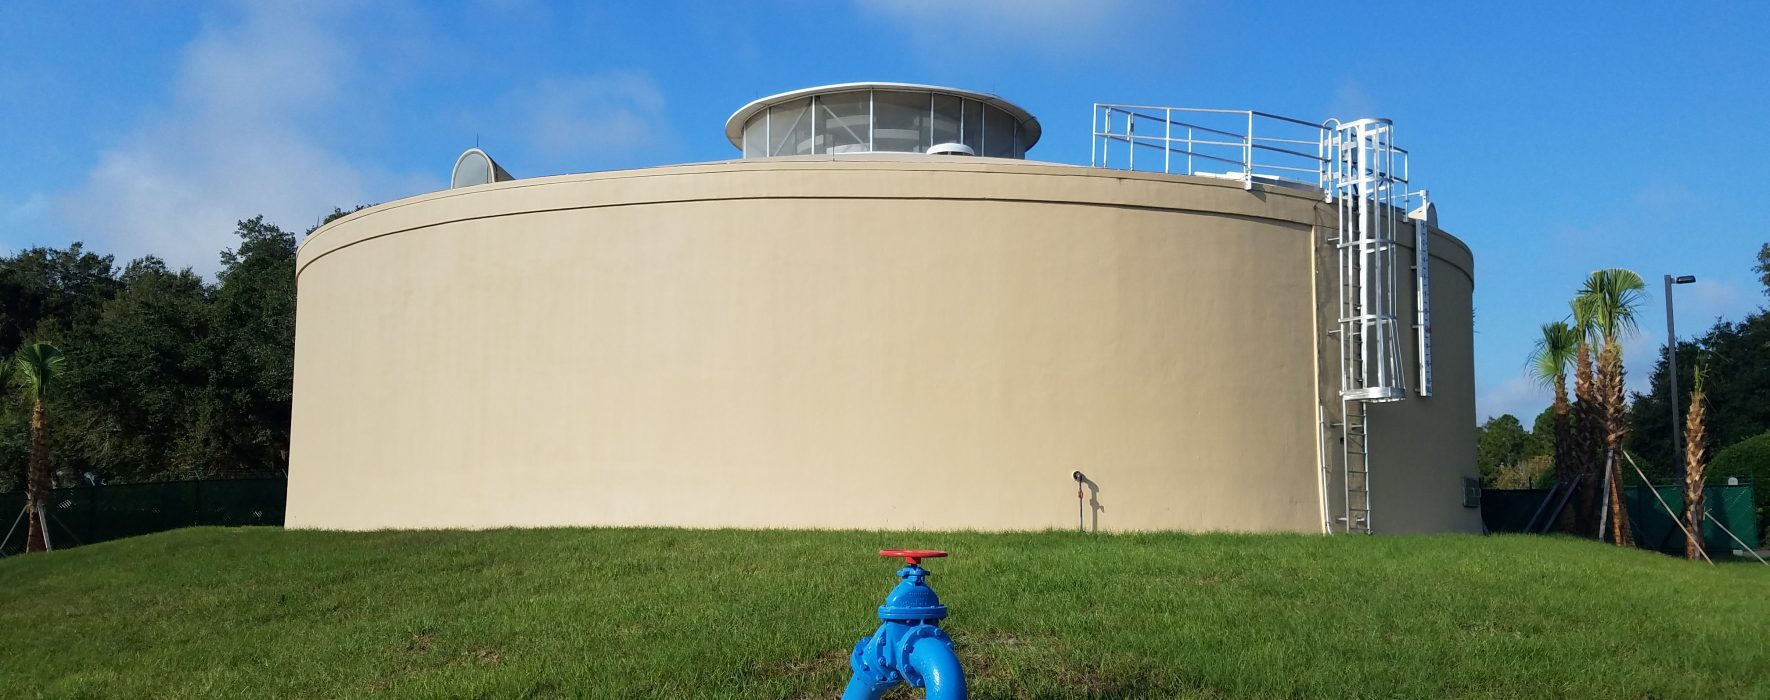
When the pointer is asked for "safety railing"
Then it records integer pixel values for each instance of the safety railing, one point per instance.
(1237, 144)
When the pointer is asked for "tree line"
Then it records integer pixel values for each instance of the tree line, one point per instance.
(164, 375)
(1724, 379)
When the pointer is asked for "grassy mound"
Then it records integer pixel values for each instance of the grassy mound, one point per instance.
(214, 612)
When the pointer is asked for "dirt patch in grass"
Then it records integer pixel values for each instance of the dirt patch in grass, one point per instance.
(483, 656)
(832, 661)
(421, 643)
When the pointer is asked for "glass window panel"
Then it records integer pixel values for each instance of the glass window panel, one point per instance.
(789, 128)
(900, 121)
(998, 134)
(474, 169)
(973, 129)
(842, 122)
(946, 118)
(756, 136)
(1019, 141)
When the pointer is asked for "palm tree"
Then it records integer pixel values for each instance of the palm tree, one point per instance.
(1695, 435)
(1555, 352)
(1609, 300)
(41, 364)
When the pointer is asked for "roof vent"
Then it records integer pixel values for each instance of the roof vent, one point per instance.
(474, 167)
(950, 149)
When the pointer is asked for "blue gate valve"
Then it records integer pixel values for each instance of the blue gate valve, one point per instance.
(909, 647)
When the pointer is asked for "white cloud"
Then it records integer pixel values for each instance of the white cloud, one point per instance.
(1518, 395)
(243, 134)
(1663, 196)
(1640, 353)
(19, 218)
(1351, 101)
(611, 113)
(1057, 26)
(1699, 304)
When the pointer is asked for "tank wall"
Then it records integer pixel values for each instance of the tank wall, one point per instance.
(862, 343)
(1424, 446)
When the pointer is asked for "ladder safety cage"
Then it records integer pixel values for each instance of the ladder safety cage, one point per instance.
(1360, 179)
(1360, 175)
(1359, 169)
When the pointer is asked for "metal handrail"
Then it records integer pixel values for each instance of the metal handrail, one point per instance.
(1181, 131)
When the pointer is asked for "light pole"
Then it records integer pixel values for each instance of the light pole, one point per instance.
(1672, 374)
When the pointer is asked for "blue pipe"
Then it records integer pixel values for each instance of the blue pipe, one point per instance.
(934, 660)
(863, 688)
(914, 653)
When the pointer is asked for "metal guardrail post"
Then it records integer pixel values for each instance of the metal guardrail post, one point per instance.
(1247, 159)
(1167, 139)
(1094, 136)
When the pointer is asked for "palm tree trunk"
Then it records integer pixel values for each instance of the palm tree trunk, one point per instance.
(1565, 468)
(1616, 427)
(1586, 430)
(37, 486)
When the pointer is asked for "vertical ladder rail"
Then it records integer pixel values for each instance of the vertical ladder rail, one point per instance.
(1356, 469)
(1424, 218)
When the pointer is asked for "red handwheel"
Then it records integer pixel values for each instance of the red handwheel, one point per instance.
(912, 556)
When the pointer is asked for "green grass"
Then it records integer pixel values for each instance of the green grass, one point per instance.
(230, 613)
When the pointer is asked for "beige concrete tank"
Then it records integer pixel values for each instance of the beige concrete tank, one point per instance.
(853, 341)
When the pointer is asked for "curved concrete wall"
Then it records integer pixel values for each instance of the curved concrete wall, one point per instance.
(864, 342)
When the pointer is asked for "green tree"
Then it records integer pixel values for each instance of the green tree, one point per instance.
(49, 287)
(179, 377)
(143, 381)
(1736, 357)
(41, 365)
(1748, 459)
(1763, 267)
(1500, 443)
(252, 343)
(1542, 436)
(1509, 457)
(1607, 304)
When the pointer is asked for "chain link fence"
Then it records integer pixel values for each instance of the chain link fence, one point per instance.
(89, 514)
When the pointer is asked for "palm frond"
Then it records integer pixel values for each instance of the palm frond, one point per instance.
(40, 363)
(1555, 351)
(1607, 303)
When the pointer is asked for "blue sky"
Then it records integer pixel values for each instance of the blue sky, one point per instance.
(1555, 139)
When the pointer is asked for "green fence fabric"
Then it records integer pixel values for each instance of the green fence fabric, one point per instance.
(1510, 510)
(88, 514)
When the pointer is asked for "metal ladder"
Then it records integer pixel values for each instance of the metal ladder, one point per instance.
(1355, 469)
(1358, 174)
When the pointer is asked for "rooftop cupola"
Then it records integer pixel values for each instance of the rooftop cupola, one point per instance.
(882, 118)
